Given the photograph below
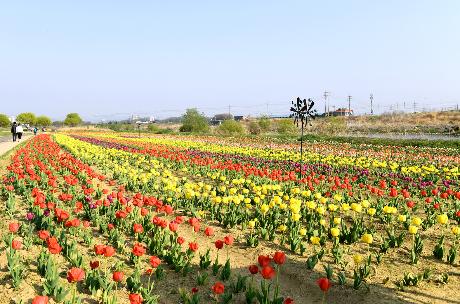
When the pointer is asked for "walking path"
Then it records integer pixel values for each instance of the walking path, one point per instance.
(6, 143)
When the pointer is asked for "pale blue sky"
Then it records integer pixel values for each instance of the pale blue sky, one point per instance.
(102, 58)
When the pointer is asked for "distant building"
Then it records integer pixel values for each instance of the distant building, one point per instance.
(341, 112)
(239, 117)
(219, 119)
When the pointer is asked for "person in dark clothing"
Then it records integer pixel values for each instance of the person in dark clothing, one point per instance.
(13, 131)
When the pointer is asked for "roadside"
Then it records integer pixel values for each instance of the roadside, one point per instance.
(6, 143)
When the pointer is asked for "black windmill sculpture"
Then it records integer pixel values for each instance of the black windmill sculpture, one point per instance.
(302, 112)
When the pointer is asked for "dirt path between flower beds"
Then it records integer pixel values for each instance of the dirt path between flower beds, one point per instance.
(6, 143)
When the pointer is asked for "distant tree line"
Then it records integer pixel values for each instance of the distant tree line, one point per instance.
(72, 119)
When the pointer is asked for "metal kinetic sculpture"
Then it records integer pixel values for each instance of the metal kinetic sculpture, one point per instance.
(303, 113)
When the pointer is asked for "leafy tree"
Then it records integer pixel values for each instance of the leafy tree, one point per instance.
(26, 118)
(4, 121)
(285, 126)
(72, 119)
(43, 121)
(193, 121)
(58, 123)
(231, 127)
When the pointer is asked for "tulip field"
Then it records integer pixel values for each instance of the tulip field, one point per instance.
(101, 217)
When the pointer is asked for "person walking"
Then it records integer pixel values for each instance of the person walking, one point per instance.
(35, 130)
(14, 131)
(19, 131)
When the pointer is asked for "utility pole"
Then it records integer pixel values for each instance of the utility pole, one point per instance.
(229, 111)
(349, 105)
(326, 94)
(267, 109)
(372, 100)
(415, 105)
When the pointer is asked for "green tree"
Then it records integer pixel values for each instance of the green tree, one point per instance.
(72, 119)
(286, 126)
(26, 118)
(43, 121)
(231, 127)
(4, 121)
(193, 121)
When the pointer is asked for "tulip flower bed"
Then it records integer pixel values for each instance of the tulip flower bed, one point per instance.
(97, 218)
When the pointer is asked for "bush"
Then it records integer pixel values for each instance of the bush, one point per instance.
(264, 123)
(193, 121)
(254, 128)
(153, 128)
(286, 126)
(230, 127)
(4, 121)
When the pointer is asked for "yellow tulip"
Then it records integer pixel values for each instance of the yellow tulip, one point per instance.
(455, 230)
(335, 232)
(371, 211)
(303, 231)
(416, 221)
(442, 219)
(357, 258)
(264, 208)
(402, 218)
(413, 229)
(314, 240)
(367, 238)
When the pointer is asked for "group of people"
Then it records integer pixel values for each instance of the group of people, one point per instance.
(17, 129)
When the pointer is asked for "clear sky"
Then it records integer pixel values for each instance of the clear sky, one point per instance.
(107, 59)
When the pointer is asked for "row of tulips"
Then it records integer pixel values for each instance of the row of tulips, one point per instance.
(66, 203)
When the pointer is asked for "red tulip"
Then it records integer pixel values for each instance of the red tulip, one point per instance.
(288, 301)
(410, 204)
(117, 276)
(193, 246)
(16, 244)
(53, 245)
(40, 300)
(253, 269)
(94, 264)
(43, 235)
(219, 244)
(268, 272)
(218, 288)
(137, 228)
(228, 240)
(209, 231)
(109, 251)
(155, 261)
(194, 290)
(14, 227)
(324, 284)
(135, 298)
(279, 258)
(138, 250)
(173, 226)
(180, 240)
(99, 249)
(263, 260)
(75, 275)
